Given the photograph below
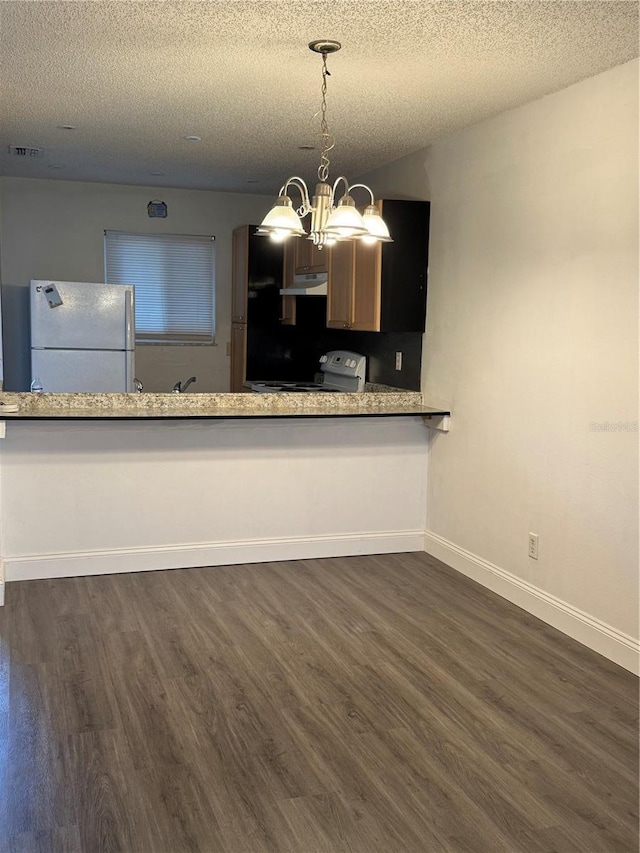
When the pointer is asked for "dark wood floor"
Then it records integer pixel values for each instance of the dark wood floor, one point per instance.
(362, 705)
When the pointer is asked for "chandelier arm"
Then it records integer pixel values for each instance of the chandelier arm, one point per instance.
(364, 187)
(335, 186)
(301, 186)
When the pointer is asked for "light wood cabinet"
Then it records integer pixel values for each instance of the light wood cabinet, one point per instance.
(383, 287)
(300, 256)
(308, 257)
(238, 356)
(354, 287)
(341, 286)
(239, 274)
(367, 291)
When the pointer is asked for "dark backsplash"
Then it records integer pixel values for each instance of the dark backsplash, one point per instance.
(282, 352)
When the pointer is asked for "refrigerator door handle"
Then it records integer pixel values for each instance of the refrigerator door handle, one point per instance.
(130, 371)
(129, 331)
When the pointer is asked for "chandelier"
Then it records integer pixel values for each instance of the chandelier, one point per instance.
(330, 222)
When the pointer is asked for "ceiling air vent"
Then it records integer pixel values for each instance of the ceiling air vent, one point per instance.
(25, 151)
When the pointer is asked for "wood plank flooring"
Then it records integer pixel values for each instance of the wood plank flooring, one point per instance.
(359, 705)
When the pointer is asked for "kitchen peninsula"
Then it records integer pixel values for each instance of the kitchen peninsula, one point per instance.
(377, 401)
(96, 484)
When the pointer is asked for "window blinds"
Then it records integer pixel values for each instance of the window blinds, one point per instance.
(174, 279)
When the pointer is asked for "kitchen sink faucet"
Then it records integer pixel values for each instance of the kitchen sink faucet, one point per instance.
(179, 388)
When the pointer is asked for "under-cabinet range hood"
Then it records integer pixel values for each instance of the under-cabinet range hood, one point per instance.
(308, 284)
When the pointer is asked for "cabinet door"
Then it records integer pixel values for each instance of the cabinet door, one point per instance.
(239, 274)
(341, 285)
(367, 287)
(288, 317)
(404, 266)
(309, 258)
(238, 357)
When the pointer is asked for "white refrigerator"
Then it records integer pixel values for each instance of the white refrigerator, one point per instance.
(82, 336)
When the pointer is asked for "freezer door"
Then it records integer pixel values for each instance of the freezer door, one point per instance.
(81, 315)
(83, 370)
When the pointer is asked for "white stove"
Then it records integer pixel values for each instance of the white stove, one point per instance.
(342, 371)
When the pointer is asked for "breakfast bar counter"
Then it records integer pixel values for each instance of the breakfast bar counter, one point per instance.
(101, 483)
(376, 401)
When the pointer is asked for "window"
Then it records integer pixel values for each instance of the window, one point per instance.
(174, 279)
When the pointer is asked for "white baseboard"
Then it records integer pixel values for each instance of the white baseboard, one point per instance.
(591, 632)
(191, 555)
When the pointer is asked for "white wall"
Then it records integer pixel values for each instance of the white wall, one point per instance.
(54, 229)
(532, 338)
(1, 345)
(81, 498)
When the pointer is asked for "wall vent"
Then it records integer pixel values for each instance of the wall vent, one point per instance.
(25, 151)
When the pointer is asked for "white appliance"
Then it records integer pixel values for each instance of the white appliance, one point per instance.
(343, 371)
(82, 336)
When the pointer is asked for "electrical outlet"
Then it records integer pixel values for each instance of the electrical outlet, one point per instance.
(533, 546)
(398, 361)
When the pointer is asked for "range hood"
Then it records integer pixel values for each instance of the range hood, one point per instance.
(308, 284)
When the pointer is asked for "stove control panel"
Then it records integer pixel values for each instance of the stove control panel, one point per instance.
(344, 363)
(344, 370)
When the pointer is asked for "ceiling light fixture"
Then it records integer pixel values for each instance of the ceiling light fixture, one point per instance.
(330, 222)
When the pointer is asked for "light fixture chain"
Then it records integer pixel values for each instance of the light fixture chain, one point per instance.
(327, 144)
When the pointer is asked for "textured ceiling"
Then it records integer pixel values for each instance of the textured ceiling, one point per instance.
(136, 78)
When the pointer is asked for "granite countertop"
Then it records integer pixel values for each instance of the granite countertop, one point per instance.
(374, 401)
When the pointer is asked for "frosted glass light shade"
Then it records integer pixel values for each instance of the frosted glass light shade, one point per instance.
(345, 222)
(282, 221)
(377, 231)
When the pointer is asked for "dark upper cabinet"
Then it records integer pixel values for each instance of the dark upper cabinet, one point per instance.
(404, 266)
(264, 260)
(257, 268)
(256, 263)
